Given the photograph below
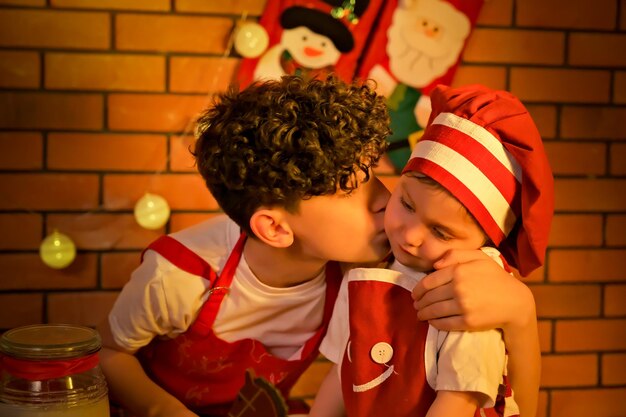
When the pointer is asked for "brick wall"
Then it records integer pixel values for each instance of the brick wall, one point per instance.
(96, 99)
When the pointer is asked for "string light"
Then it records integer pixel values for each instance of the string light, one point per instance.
(251, 39)
(152, 211)
(57, 250)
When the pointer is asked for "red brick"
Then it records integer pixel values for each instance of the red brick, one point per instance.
(618, 158)
(20, 231)
(106, 152)
(51, 111)
(619, 87)
(154, 113)
(102, 231)
(309, 383)
(555, 85)
(515, 47)
(34, 3)
(496, 13)
(117, 268)
(577, 14)
(145, 32)
(20, 310)
(201, 74)
(590, 335)
(53, 29)
(592, 265)
(24, 271)
(238, 7)
(597, 50)
(545, 119)
(73, 71)
(614, 296)
(588, 402)
(19, 69)
(48, 191)
(569, 370)
(567, 300)
(578, 122)
(491, 76)
(182, 192)
(181, 158)
(571, 158)
(82, 308)
(545, 335)
(20, 150)
(576, 230)
(614, 369)
(590, 195)
(616, 230)
(152, 5)
(184, 220)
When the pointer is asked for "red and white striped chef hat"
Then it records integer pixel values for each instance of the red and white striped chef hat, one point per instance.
(483, 147)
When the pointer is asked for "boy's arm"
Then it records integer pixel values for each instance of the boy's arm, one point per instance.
(454, 403)
(130, 386)
(471, 292)
(329, 400)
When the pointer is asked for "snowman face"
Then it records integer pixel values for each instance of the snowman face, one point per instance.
(310, 49)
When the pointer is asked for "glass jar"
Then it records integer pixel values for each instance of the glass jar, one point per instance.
(51, 370)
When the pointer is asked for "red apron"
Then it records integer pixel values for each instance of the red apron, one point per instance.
(383, 371)
(202, 370)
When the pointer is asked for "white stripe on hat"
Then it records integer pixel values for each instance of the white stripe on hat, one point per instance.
(482, 136)
(468, 174)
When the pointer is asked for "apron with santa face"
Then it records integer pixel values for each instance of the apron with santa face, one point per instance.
(205, 372)
(383, 369)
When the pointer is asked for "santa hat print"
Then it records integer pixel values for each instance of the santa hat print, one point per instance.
(483, 147)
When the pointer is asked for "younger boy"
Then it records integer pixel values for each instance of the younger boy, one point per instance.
(478, 176)
(289, 162)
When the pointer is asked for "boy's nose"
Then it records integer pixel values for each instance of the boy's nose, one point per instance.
(414, 234)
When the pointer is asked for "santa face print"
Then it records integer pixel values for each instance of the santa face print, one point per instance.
(423, 221)
(425, 39)
(310, 49)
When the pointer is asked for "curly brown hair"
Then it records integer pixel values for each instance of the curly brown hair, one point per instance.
(278, 142)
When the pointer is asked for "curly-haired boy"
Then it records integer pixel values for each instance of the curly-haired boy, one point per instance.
(290, 163)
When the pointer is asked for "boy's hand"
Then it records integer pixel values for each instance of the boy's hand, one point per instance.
(469, 291)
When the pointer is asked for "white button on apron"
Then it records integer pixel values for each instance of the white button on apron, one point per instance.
(381, 352)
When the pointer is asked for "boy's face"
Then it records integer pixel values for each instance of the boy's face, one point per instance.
(423, 222)
(344, 227)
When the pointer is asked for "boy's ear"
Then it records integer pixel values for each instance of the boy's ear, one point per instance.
(271, 227)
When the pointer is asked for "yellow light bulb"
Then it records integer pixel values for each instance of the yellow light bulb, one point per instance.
(57, 250)
(251, 39)
(152, 211)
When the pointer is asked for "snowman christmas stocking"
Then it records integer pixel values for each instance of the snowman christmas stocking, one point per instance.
(417, 45)
(311, 38)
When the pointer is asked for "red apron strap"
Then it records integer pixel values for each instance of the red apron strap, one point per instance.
(206, 317)
(182, 257)
(333, 281)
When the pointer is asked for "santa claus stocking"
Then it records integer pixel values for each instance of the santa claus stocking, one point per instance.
(417, 45)
(311, 38)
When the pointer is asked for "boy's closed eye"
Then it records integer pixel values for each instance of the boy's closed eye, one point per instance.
(408, 205)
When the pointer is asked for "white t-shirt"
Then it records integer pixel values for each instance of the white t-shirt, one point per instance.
(162, 300)
(454, 361)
